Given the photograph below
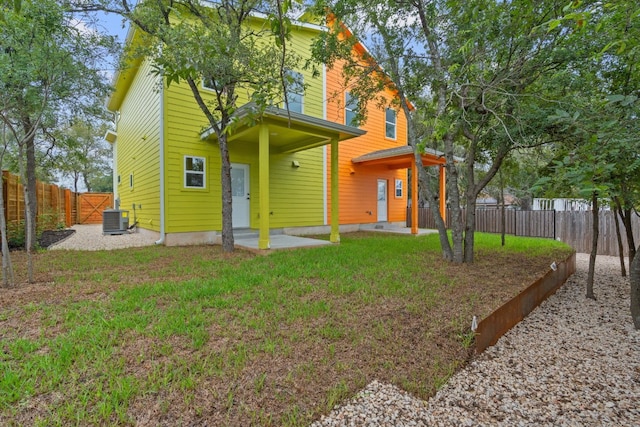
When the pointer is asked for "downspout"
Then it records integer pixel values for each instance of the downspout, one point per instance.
(161, 143)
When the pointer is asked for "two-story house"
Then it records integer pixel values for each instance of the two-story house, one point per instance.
(306, 170)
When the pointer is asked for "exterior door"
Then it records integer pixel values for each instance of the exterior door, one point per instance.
(382, 200)
(240, 195)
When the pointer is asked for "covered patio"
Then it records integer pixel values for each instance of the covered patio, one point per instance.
(404, 158)
(279, 131)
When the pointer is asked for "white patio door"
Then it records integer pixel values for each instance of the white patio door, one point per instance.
(382, 200)
(240, 195)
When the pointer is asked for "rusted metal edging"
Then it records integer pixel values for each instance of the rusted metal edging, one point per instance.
(491, 328)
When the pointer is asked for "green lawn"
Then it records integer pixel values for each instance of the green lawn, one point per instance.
(175, 336)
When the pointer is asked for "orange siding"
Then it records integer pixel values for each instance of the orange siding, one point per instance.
(358, 183)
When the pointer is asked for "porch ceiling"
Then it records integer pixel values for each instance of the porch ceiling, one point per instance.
(399, 158)
(288, 131)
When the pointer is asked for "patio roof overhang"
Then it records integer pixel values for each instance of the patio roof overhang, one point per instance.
(400, 158)
(404, 158)
(288, 131)
(276, 131)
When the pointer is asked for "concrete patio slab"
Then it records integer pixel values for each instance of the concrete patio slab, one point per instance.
(281, 241)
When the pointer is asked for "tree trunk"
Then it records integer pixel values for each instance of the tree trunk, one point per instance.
(424, 183)
(454, 196)
(227, 208)
(7, 267)
(470, 229)
(623, 270)
(634, 279)
(434, 206)
(626, 215)
(220, 128)
(86, 183)
(31, 218)
(594, 246)
(75, 183)
(29, 235)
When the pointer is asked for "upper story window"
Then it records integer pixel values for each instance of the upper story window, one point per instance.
(211, 84)
(350, 109)
(390, 123)
(194, 172)
(294, 84)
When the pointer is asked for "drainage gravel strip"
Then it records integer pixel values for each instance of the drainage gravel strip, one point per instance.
(90, 238)
(571, 362)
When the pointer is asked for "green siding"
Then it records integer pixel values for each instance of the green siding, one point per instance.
(296, 194)
(138, 149)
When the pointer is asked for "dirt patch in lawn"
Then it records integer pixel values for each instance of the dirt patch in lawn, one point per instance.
(257, 355)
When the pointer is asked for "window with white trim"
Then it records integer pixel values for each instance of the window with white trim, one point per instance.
(398, 188)
(350, 110)
(390, 123)
(294, 84)
(194, 172)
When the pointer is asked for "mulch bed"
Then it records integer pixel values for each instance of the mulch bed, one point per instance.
(51, 237)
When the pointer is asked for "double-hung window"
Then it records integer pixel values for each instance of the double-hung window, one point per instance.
(194, 172)
(398, 188)
(294, 84)
(350, 109)
(390, 123)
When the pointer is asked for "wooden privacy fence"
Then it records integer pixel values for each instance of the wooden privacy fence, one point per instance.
(572, 227)
(67, 207)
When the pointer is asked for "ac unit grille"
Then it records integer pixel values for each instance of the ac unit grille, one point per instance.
(115, 221)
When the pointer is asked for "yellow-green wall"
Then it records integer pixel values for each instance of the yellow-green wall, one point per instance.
(296, 194)
(138, 131)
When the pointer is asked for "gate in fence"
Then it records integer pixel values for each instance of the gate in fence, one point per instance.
(91, 206)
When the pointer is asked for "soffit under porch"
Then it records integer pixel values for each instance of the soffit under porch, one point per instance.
(288, 131)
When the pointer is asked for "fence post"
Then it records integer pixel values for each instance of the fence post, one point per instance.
(67, 207)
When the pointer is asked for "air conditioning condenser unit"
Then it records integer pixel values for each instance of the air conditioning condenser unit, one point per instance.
(115, 221)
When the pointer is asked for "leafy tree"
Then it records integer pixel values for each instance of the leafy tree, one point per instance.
(47, 73)
(473, 68)
(82, 153)
(598, 114)
(103, 183)
(190, 40)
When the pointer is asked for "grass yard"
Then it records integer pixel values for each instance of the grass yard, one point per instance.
(189, 335)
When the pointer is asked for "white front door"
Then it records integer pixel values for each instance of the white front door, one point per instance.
(240, 194)
(382, 200)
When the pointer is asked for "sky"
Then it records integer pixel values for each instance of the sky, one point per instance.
(113, 25)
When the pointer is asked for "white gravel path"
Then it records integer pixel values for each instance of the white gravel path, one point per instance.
(571, 362)
(90, 238)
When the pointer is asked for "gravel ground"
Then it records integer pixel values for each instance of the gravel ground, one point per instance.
(571, 362)
(90, 238)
